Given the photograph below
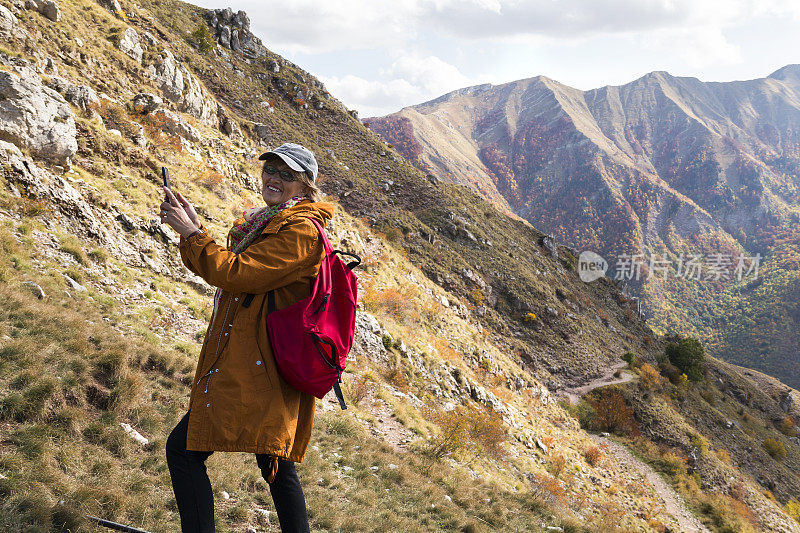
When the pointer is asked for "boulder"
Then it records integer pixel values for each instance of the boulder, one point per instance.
(36, 117)
(48, 8)
(146, 103)
(112, 5)
(9, 25)
(131, 45)
(787, 402)
(35, 288)
(81, 96)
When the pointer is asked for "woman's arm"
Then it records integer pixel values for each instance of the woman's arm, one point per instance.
(277, 260)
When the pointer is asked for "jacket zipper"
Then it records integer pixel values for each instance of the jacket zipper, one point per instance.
(219, 342)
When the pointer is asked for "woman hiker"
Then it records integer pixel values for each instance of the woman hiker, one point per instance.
(238, 401)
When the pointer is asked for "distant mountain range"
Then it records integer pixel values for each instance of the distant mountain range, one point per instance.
(660, 166)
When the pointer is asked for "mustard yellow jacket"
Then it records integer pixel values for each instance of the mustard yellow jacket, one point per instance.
(238, 401)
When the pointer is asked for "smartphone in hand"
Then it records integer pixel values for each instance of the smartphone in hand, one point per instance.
(165, 177)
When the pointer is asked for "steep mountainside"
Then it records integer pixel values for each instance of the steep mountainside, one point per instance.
(666, 167)
(465, 340)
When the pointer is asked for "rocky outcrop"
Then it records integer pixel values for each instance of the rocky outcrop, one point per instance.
(9, 25)
(232, 31)
(36, 117)
(71, 212)
(146, 103)
(81, 96)
(47, 8)
(787, 402)
(172, 123)
(181, 87)
(131, 45)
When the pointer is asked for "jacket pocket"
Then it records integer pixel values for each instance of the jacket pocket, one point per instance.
(262, 381)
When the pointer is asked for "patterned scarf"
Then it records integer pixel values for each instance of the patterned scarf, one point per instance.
(242, 235)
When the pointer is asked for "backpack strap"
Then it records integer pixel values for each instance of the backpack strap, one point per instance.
(338, 390)
(326, 242)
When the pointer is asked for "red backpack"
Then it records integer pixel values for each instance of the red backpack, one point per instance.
(311, 338)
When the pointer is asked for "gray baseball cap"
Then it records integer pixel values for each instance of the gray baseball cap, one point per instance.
(298, 158)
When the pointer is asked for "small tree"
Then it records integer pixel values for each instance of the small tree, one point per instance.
(205, 41)
(687, 354)
(612, 413)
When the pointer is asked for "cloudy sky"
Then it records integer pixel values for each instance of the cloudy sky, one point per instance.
(378, 57)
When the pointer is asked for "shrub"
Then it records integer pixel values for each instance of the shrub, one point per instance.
(688, 355)
(557, 464)
(387, 341)
(671, 463)
(650, 379)
(464, 430)
(699, 442)
(775, 448)
(583, 412)
(787, 426)
(547, 489)
(629, 357)
(593, 455)
(612, 413)
(358, 388)
(723, 455)
(792, 508)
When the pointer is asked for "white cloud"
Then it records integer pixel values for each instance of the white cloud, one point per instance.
(410, 78)
(695, 47)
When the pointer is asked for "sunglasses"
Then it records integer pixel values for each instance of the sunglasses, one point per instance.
(285, 175)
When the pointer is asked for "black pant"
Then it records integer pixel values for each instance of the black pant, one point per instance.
(192, 488)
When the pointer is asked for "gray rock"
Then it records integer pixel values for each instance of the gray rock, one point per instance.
(169, 77)
(179, 86)
(148, 38)
(48, 8)
(36, 117)
(550, 243)
(787, 402)
(9, 25)
(262, 131)
(241, 20)
(127, 222)
(273, 66)
(138, 136)
(35, 288)
(225, 36)
(146, 103)
(172, 123)
(131, 45)
(74, 284)
(112, 5)
(82, 96)
(235, 44)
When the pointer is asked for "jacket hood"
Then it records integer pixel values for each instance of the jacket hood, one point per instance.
(322, 211)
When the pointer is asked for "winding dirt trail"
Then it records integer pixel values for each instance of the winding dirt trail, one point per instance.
(575, 393)
(673, 503)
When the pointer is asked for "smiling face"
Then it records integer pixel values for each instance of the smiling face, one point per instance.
(274, 189)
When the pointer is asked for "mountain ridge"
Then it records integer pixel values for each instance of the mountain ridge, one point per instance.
(662, 163)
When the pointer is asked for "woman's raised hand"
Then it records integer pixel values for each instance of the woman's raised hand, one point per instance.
(189, 208)
(179, 214)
